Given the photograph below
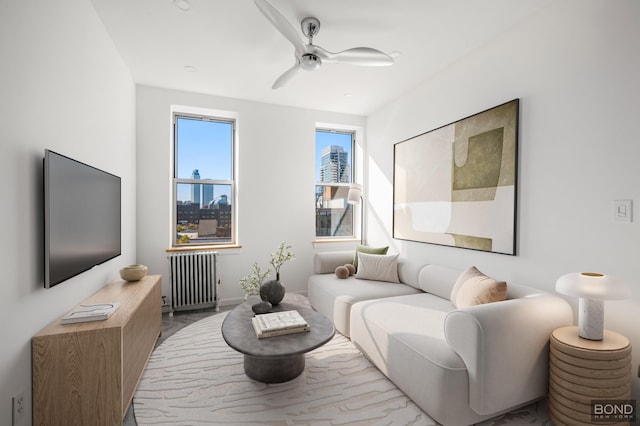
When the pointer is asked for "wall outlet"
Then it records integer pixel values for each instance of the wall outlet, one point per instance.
(19, 407)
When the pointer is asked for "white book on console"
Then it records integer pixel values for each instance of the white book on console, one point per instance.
(90, 312)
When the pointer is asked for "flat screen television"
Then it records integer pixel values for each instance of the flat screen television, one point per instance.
(82, 217)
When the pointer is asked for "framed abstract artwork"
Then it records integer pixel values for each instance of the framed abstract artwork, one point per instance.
(457, 185)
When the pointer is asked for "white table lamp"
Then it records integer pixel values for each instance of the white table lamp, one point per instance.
(592, 289)
(354, 197)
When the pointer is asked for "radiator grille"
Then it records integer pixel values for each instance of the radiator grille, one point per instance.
(193, 280)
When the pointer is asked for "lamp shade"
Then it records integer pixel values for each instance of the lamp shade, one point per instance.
(355, 192)
(592, 285)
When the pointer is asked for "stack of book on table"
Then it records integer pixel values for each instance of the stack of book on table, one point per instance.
(93, 312)
(279, 323)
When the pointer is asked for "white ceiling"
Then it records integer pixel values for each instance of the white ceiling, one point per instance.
(237, 53)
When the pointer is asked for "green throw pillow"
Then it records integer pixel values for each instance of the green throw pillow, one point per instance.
(368, 250)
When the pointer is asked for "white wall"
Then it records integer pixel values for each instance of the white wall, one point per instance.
(63, 87)
(574, 66)
(275, 184)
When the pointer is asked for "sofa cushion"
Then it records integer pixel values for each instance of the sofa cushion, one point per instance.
(334, 297)
(378, 267)
(409, 271)
(475, 288)
(326, 262)
(368, 250)
(438, 280)
(404, 337)
(415, 320)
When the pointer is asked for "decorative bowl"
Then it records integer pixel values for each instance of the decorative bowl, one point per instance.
(133, 272)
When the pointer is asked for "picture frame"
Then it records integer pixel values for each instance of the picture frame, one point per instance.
(457, 185)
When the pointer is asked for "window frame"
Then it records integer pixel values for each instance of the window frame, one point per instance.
(327, 128)
(208, 116)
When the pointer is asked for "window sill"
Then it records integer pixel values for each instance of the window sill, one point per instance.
(203, 248)
(341, 244)
(345, 240)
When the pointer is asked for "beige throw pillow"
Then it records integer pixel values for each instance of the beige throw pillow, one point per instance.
(379, 267)
(369, 250)
(475, 288)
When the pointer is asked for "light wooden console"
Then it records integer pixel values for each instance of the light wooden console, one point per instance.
(87, 373)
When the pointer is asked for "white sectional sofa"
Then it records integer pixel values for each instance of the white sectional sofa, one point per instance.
(461, 366)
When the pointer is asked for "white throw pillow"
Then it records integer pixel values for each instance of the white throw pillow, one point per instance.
(379, 267)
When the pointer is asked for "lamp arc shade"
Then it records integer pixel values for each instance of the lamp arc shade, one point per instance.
(355, 193)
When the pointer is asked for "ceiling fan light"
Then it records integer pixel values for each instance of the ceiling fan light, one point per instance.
(310, 62)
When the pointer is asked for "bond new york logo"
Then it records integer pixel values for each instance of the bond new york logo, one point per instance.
(605, 411)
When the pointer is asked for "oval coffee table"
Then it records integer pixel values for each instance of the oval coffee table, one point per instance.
(280, 358)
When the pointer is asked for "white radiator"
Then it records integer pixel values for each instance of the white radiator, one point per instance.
(193, 280)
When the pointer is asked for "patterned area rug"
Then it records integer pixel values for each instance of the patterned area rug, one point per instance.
(194, 378)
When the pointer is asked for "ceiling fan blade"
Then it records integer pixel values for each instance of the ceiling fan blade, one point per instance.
(288, 75)
(362, 56)
(280, 22)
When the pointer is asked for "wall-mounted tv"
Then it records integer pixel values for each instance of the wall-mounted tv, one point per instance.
(82, 217)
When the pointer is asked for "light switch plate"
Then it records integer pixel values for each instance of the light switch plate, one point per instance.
(622, 210)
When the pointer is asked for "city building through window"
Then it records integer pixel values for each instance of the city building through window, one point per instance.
(204, 184)
(334, 174)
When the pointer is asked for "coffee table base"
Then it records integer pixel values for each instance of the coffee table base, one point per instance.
(274, 369)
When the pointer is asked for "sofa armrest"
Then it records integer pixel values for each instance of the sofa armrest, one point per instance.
(504, 346)
(326, 262)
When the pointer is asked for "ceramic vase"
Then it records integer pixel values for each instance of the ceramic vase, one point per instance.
(272, 291)
(133, 272)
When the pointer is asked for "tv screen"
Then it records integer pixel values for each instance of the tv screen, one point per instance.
(82, 223)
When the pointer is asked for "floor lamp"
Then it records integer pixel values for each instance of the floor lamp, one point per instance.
(354, 198)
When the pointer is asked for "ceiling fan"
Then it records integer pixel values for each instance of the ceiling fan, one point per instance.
(309, 56)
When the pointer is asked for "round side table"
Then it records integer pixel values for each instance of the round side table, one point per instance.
(581, 371)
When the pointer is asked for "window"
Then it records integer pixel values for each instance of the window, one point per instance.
(334, 174)
(204, 184)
